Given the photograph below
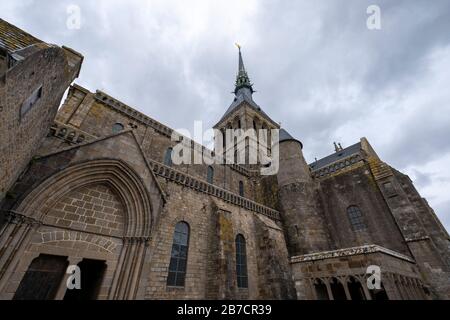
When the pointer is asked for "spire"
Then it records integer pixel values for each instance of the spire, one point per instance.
(242, 79)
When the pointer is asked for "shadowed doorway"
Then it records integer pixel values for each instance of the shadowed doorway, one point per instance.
(42, 279)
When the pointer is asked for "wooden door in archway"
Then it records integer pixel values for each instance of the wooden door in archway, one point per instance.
(42, 279)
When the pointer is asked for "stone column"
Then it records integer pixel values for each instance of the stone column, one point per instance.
(124, 285)
(327, 284)
(363, 282)
(390, 287)
(344, 282)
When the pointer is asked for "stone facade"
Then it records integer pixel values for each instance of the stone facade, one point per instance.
(33, 78)
(98, 192)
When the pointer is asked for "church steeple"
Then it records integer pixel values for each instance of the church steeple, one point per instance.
(243, 106)
(242, 79)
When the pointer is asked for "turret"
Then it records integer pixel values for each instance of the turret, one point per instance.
(304, 225)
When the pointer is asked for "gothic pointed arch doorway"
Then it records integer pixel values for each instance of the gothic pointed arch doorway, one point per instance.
(97, 210)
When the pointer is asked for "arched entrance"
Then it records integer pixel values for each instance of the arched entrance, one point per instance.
(321, 290)
(337, 289)
(96, 214)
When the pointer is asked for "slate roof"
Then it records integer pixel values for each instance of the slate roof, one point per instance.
(13, 38)
(347, 152)
(285, 136)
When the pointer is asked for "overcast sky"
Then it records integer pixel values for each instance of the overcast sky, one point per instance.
(316, 66)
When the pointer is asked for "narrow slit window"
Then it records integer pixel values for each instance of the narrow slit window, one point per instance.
(241, 262)
(168, 157)
(241, 188)
(210, 175)
(30, 102)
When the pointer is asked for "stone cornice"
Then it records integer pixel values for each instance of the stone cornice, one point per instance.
(69, 133)
(202, 186)
(13, 217)
(348, 252)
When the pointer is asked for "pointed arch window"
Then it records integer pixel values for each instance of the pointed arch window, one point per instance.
(356, 218)
(168, 157)
(178, 258)
(241, 262)
(210, 175)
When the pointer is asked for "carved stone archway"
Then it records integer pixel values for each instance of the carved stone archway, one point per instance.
(29, 215)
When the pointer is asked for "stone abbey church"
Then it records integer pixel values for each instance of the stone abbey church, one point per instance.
(93, 185)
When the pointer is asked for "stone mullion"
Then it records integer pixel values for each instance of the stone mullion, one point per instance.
(415, 288)
(363, 283)
(311, 283)
(327, 284)
(344, 283)
(403, 290)
(390, 287)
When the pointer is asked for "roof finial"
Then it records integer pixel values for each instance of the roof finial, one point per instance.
(242, 79)
(336, 148)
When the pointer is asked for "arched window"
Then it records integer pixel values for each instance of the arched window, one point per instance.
(178, 260)
(241, 262)
(241, 188)
(210, 176)
(168, 157)
(356, 218)
(117, 127)
(224, 137)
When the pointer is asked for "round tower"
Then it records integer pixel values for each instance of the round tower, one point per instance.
(304, 224)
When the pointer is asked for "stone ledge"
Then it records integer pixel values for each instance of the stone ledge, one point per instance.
(202, 186)
(69, 134)
(348, 252)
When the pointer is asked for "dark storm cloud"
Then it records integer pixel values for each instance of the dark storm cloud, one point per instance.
(316, 66)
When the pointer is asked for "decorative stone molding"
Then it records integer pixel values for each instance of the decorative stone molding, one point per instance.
(348, 252)
(204, 187)
(78, 236)
(69, 134)
(337, 166)
(13, 217)
(417, 239)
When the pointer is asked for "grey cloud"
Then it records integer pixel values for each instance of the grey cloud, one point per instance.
(315, 65)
